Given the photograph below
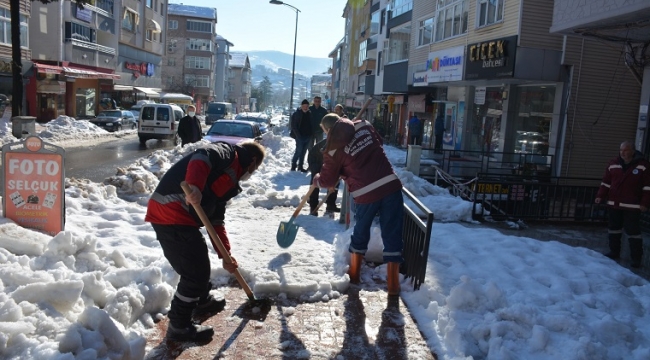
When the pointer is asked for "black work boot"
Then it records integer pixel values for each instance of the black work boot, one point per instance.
(614, 246)
(191, 332)
(636, 251)
(208, 307)
(293, 167)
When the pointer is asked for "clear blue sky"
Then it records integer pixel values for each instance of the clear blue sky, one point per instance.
(258, 25)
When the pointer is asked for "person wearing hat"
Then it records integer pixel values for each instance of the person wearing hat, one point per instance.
(301, 131)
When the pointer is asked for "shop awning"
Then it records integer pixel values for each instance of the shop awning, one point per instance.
(148, 91)
(48, 69)
(153, 26)
(88, 74)
(122, 88)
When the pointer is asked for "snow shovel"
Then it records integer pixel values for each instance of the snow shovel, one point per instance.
(287, 230)
(217, 244)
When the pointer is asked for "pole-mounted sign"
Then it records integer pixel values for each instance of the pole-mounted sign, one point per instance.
(34, 177)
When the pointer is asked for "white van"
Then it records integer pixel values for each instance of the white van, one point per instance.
(159, 121)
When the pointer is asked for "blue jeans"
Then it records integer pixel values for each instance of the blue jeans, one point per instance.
(391, 218)
(302, 144)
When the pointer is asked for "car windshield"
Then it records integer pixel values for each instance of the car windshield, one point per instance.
(231, 129)
(110, 114)
(250, 117)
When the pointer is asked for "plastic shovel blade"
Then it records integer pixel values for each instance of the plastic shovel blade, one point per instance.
(287, 233)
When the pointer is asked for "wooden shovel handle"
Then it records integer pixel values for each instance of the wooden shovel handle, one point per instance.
(360, 113)
(217, 243)
(303, 201)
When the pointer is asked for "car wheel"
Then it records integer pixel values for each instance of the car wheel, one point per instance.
(118, 128)
(143, 140)
(134, 126)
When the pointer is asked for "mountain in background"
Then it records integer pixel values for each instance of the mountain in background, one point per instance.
(273, 60)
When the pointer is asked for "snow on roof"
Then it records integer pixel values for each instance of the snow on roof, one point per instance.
(238, 59)
(192, 11)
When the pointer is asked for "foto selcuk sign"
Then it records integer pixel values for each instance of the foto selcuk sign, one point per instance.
(33, 176)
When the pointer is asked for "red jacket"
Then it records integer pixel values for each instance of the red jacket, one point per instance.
(626, 186)
(354, 152)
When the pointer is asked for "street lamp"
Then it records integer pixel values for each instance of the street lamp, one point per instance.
(295, 39)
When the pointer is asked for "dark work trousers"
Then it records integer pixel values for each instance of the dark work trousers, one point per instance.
(627, 220)
(185, 249)
(415, 140)
(314, 196)
(437, 146)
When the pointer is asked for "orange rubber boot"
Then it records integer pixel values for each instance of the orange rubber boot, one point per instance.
(392, 278)
(355, 267)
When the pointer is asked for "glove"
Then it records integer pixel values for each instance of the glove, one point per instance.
(316, 181)
(230, 267)
(195, 197)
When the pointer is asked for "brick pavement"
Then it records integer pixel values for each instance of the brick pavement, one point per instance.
(363, 323)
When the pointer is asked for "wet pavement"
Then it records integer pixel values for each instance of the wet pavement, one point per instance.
(363, 323)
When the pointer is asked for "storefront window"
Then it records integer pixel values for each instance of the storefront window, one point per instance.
(533, 119)
(485, 130)
(85, 102)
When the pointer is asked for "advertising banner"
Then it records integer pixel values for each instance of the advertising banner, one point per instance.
(445, 65)
(33, 177)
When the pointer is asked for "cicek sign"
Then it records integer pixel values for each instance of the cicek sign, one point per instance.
(446, 65)
(33, 177)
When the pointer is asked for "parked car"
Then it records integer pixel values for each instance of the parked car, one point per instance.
(234, 131)
(114, 120)
(159, 121)
(262, 119)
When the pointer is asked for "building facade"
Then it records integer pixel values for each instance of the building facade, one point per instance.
(239, 82)
(504, 85)
(222, 69)
(191, 52)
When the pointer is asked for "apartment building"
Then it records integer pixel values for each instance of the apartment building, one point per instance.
(6, 75)
(503, 83)
(191, 60)
(222, 72)
(239, 82)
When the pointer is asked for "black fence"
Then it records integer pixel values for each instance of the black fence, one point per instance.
(537, 198)
(417, 236)
(463, 164)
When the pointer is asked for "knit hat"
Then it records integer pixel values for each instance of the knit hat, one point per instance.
(305, 102)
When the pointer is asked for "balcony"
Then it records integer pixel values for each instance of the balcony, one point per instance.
(92, 46)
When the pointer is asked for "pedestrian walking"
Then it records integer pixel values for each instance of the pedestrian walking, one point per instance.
(189, 127)
(415, 130)
(626, 190)
(354, 152)
(213, 172)
(301, 128)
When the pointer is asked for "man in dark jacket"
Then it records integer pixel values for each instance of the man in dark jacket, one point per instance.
(301, 128)
(415, 130)
(439, 132)
(626, 188)
(315, 161)
(316, 112)
(213, 173)
(354, 153)
(189, 127)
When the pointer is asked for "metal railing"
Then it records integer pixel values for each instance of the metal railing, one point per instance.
(540, 198)
(465, 164)
(91, 46)
(416, 235)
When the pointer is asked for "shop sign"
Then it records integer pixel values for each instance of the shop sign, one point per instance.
(417, 103)
(144, 68)
(420, 79)
(33, 177)
(51, 87)
(399, 99)
(492, 59)
(446, 65)
(479, 95)
(5, 66)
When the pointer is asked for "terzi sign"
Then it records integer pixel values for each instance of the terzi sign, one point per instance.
(33, 177)
(492, 59)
